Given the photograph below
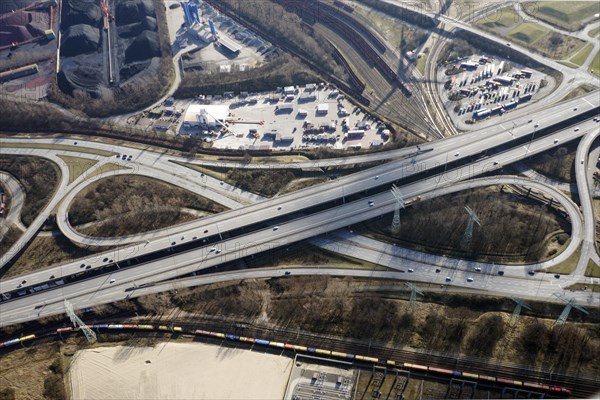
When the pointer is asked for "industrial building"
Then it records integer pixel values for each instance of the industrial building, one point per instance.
(200, 115)
(322, 108)
(229, 45)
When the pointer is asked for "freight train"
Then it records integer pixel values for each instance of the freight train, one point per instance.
(306, 349)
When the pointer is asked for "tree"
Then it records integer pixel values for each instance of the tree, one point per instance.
(556, 39)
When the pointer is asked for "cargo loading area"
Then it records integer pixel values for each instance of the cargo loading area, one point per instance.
(293, 117)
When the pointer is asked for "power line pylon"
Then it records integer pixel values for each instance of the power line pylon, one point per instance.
(413, 293)
(468, 235)
(90, 335)
(399, 204)
(571, 303)
(517, 311)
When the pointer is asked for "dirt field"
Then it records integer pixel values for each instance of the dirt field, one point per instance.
(177, 371)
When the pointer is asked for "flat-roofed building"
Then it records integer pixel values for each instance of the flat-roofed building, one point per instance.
(211, 116)
(322, 108)
(229, 45)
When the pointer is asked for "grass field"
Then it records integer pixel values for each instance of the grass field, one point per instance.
(568, 15)
(566, 267)
(579, 91)
(106, 168)
(584, 286)
(592, 270)
(595, 65)
(528, 33)
(503, 18)
(77, 166)
(568, 64)
(583, 54)
(421, 63)
(65, 147)
(542, 40)
(594, 32)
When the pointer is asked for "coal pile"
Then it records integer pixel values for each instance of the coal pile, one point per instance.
(132, 69)
(145, 46)
(78, 78)
(132, 11)
(131, 30)
(80, 39)
(21, 26)
(77, 12)
(134, 40)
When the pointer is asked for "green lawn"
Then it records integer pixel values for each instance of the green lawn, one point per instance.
(592, 270)
(568, 64)
(595, 65)
(528, 32)
(550, 44)
(64, 147)
(578, 91)
(421, 63)
(565, 14)
(594, 32)
(583, 54)
(566, 267)
(503, 18)
(77, 166)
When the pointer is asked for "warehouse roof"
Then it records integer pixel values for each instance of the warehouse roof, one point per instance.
(229, 44)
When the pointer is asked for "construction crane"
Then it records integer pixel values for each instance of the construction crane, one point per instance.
(105, 13)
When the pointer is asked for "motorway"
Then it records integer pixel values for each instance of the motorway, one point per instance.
(17, 198)
(100, 290)
(478, 141)
(582, 168)
(471, 143)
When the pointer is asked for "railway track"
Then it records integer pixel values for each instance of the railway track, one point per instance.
(506, 374)
(580, 386)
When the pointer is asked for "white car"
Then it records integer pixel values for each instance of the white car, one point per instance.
(456, 154)
(576, 129)
(478, 269)
(555, 140)
(371, 203)
(112, 281)
(376, 177)
(469, 279)
(275, 228)
(411, 270)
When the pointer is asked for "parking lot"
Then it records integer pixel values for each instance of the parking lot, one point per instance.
(481, 87)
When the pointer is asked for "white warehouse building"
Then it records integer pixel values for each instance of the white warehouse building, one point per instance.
(211, 116)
